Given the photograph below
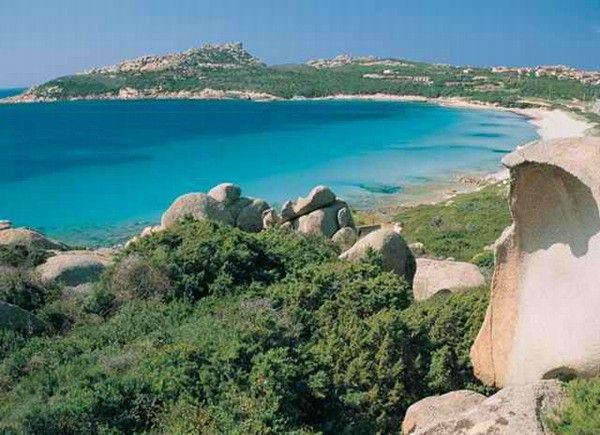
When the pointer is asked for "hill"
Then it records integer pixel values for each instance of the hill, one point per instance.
(229, 71)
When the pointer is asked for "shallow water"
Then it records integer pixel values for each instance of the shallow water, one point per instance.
(94, 172)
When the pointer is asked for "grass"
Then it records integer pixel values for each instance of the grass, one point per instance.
(460, 228)
(580, 414)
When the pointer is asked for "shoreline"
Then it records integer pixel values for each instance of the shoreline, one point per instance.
(549, 124)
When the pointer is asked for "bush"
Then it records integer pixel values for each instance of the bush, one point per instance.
(22, 256)
(580, 414)
(202, 258)
(461, 228)
(315, 345)
(20, 287)
(135, 277)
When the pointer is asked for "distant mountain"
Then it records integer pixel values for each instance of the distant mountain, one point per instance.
(229, 71)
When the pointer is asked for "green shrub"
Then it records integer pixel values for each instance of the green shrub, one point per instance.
(297, 341)
(22, 256)
(20, 287)
(580, 414)
(202, 258)
(462, 227)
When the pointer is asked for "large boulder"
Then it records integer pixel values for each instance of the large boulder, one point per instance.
(323, 221)
(5, 224)
(434, 276)
(319, 197)
(73, 268)
(513, 410)
(345, 238)
(223, 203)
(543, 320)
(436, 409)
(226, 193)
(28, 237)
(18, 319)
(393, 250)
(199, 206)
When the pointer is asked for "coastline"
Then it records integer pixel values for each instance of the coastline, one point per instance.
(549, 124)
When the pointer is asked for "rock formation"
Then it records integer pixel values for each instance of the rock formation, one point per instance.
(73, 268)
(321, 212)
(513, 410)
(434, 276)
(223, 203)
(436, 409)
(543, 321)
(26, 237)
(391, 246)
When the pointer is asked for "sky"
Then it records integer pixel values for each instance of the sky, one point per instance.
(44, 39)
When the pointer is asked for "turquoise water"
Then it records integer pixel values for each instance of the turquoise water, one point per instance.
(97, 171)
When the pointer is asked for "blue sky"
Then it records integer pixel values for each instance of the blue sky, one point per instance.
(42, 39)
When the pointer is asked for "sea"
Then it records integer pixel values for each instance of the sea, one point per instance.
(96, 172)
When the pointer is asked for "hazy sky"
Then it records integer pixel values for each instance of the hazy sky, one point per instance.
(42, 39)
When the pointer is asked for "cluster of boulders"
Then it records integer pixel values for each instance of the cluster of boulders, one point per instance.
(321, 212)
(67, 267)
(223, 203)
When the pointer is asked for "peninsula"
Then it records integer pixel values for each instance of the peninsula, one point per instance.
(229, 71)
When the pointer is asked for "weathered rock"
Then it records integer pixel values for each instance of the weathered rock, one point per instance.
(345, 238)
(73, 268)
(5, 224)
(199, 206)
(148, 231)
(16, 318)
(417, 248)
(271, 218)
(319, 197)
(543, 315)
(434, 276)
(391, 246)
(344, 217)
(227, 193)
(236, 207)
(323, 221)
(513, 410)
(363, 230)
(28, 237)
(250, 217)
(436, 409)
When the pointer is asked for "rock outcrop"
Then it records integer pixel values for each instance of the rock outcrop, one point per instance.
(321, 213)
(73, 268)
(27, 237)
(513, 410)
(434, 276)
(16, 318)
(223, 203)
(436, 409)
(542, 320)
(391, 246)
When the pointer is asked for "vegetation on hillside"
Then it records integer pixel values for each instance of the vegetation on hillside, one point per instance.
(198, 69)
(580, 414)
(206, 328)
(461, 227)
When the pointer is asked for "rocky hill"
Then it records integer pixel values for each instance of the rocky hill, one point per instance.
(189, 62)
(229, 71)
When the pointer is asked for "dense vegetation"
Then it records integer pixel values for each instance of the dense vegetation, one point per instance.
(206, 328)
(580, 415)
(400, 78)
(462, 227)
